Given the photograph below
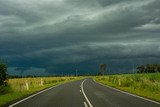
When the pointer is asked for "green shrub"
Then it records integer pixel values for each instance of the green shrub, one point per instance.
(127, 82)
(3, 74)
(5, 89)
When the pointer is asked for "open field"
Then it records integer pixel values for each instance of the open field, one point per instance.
(23, 86)
(147, 85)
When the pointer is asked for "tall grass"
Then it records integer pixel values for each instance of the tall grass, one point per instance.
(22, 86)
(147, 85)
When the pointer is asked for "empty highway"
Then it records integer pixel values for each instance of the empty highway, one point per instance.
(83, 93)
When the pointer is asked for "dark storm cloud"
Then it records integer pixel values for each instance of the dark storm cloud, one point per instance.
(59, 35)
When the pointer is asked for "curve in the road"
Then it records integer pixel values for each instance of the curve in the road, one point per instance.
(129, 93)
(84, 93)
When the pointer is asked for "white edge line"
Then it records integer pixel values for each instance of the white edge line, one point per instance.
(128, 93)
(89, 103)
(85, 104)
(33, 95)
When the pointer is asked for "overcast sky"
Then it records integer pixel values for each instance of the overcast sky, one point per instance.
(59, 36)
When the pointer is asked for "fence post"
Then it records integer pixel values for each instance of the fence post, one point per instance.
(41, 82)
(114, 81)
(119, 82)
(27, 86)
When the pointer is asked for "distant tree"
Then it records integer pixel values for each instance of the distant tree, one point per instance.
(141, 69)
(102, 69)
(3, 74)
(158, 68)
(149, 68)
(155, 67)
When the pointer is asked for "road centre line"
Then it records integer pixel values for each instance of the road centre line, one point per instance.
(85, 104)
(89, 103)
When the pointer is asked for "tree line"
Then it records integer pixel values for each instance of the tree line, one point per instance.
(149, 68)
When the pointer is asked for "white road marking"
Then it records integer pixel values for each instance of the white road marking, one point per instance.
(85, 104)
(89, 103)
(128, 93)
(33, 95)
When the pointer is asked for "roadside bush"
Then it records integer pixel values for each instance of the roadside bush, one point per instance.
(128, 82)
(5, 89)
(3, 74)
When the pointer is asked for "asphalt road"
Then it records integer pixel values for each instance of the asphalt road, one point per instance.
(83, 93)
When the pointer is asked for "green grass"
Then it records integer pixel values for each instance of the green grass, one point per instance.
(146, 85)
(17, 87)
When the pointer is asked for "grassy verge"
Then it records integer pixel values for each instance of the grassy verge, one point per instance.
(146, 85)
(20, 87)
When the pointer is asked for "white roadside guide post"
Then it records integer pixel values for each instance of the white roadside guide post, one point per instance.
(119, 82)
(41, 82)
(26, 83)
